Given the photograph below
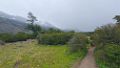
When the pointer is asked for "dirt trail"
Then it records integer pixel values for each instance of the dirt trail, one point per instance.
(88, 61)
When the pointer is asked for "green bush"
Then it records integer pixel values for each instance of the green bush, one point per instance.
(7, 37)
(78, 42)
(109, 56)
(22, 36)
(107, 39)
(15, 37)
(107, 34)
(35, 29)
(54, 38)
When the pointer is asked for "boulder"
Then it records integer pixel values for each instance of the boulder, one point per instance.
(2, 42)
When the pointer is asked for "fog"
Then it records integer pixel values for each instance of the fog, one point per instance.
(82, 15)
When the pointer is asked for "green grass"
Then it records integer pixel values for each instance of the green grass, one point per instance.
(32, 55)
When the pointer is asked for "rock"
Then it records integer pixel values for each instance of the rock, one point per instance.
(2, 42)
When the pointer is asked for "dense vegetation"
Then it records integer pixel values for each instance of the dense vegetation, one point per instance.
(107, 40)
(36, 29)
(78, 43)
(108, 34)
(6, 37)
(109, 56)
(30, 54)
(54, 38)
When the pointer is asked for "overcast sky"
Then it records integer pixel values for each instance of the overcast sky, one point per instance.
(83, 15)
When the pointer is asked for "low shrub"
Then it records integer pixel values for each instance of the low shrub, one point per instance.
(78, 42)
(7, 37)
(22, 36)
(15, 37)
(108, 56)
(54, 38)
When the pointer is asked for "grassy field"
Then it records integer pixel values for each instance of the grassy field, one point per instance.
(32, 55)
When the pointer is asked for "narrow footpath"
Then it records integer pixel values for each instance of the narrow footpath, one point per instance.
(88, 61)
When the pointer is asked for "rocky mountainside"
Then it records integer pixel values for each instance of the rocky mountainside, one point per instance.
(11, 26)
(14, 24)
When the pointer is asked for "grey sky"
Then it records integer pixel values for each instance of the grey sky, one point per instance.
(83, 15)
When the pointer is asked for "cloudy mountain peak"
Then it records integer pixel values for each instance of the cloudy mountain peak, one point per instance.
(18, 18)
(14, 24)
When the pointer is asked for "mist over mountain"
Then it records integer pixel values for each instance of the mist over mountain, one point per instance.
(14, 24)
(11, 26)
(47, 25)
(12, 17)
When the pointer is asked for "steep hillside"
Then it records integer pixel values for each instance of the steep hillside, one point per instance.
(11, 26)
(14, 24)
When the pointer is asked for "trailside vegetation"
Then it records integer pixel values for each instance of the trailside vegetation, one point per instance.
(55, 38)
(78, 43)
(107, 41)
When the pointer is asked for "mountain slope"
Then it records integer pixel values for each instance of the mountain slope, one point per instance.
(15, 24)
(17, 18)
(11, 26)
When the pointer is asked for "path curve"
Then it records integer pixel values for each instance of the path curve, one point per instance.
(88, 61)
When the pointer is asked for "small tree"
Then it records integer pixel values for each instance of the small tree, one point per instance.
(34, 27)
(31, 18)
